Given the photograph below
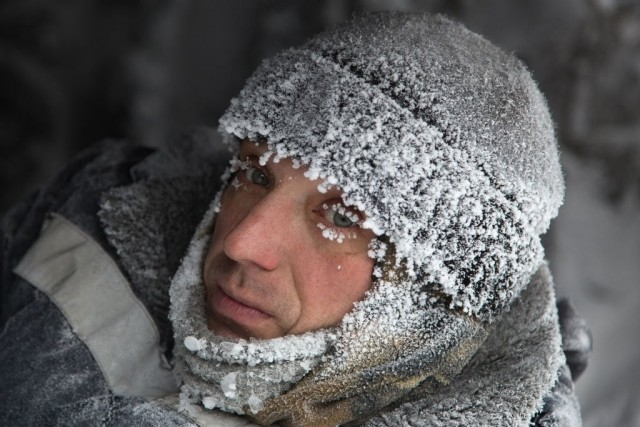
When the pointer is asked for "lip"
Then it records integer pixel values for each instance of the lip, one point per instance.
(236, 309)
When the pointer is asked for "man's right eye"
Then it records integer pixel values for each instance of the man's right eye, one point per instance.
(256, 176)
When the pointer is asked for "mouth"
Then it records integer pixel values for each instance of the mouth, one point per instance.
(233, 316)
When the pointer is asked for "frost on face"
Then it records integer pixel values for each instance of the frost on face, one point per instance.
(331, 233)
(217, 372)
(222, 373)
(235, 183)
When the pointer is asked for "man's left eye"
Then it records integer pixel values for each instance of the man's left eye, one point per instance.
(340, 216)
(256, 176)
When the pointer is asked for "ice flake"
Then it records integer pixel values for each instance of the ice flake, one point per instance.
(312, 174)
(264, 158)
(193, 344)
(228, 385)
(373, 225)
(305, 365)
(255, 404)
(209, 402)
(323, 187)
(332, 234)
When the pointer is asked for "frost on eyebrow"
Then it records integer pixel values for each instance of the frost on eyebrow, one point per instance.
(235, 164)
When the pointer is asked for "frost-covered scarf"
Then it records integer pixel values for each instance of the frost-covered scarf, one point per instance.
(432, 366)
(352, 370)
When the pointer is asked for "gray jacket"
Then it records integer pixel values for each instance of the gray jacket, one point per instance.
(127, 214)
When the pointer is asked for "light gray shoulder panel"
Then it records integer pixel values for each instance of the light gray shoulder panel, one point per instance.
(96, 299)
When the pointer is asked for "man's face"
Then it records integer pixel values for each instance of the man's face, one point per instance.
(284, 258)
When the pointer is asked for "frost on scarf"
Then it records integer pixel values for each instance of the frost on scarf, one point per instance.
(441, 139)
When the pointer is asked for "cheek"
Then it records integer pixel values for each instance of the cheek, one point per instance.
(232, 208)
(337, 284)
(223, 224)
(356, 275)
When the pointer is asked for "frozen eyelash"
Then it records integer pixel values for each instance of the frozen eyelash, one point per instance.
(331, 233)
(342, 210)
(335, 234)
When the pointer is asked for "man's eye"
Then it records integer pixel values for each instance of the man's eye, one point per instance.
(341, 217)
(256, 176)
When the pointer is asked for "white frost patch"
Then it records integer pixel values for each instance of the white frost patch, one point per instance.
(312, 173)
(209, 402)
(373, 225)
(194, 344)
(264, 158)
(228, 385)
(305, 365)
(255, 404)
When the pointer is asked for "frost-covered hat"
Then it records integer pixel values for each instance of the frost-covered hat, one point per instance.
(442, 139)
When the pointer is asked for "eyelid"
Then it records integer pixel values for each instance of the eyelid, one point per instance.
(253, 162)
(339, 206)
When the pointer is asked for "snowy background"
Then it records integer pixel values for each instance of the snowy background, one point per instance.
(77, 71)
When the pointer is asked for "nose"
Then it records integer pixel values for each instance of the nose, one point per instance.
(259, 236)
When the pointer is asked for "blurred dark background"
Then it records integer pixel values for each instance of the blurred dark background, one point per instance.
(76, 71)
